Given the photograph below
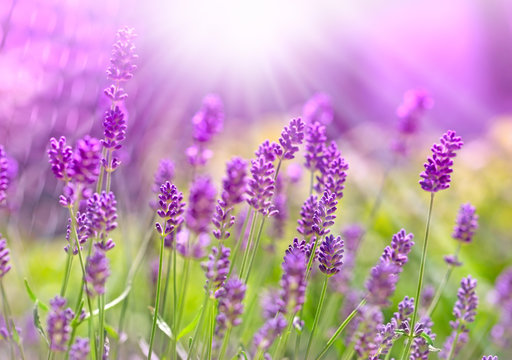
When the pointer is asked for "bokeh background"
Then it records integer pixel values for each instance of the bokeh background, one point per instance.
(266, 59)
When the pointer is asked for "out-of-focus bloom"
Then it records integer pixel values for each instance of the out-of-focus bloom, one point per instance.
(61, 158)
(324, 213)
(502, 332)
(261, 186)
(209, 120)
(270, 304)
(230, 297)
(318, 109)
(281, 205)
(97, 272)
(307, 213)
(315, 145)
(467, 223)
(58, 324)
(192, 246)
(331, 254)
(384, 276)
(294, 173)
(165, 172)
(438, 168)
(80, 349)
(197, 155)
(333, 172)
(464, 312)
(82, 230)
(427, 295)
(4, 176)
(420, 349)
(351, 235)
(452, 260)
(114, 128)
(269, 151)
(106, 349)
(122, 62)
(4, 257)
(292, 136)
(370, 318)
(490, 357)
(216, 268)
(171, 208)
(201, 205)
(293, 281)
(268, 333)
(102, 213)
(86, 160)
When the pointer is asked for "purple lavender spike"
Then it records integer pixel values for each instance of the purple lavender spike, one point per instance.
(330, 255)
(83, 231)
(333, 169)
(269, 151)
(97, 272)
(268, 333)
(201, 205)
(85, 167)
(114, 128)
(324, 214)
(318, 109)
(490, 357)
(293, 281)
(438, 168)
(59, 324)
(102, 213)
(122, 62)
(291, 137)
(371, 318)
(315, 145)
(230, 308)
(307, 214)
(61, 158)
(467, 224)
(420, 350)
(261, 186)
(80, 349)
(4, 257)
(217, 267)
(171, 208)
(209, 120)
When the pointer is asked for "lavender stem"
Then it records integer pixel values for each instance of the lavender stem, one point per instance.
(157, 300)
(317, 316)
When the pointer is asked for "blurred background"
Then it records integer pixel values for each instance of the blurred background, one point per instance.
(265, 59)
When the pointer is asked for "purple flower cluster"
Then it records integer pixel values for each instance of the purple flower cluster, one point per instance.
(97, 272)
(61, 158)
(82, 231)
(59, 324)
(102, 213)
(333, 172)
(4, 257)
(201, 205)
(464, 312)
(4, 176)
(307, 213)
(80, 349)
(269, 151)
(281, 206)
(261, 186)
(384, 276)
(315, 145)
(467, 224)
(502, 332)
(323, 217)
(490, 357)
(330, 255)
(268, 333)
(86, 161)
(216, 268)
(420, 349)
(293, 281)
(171, 208)
(234, 188)
(114, 128)
(318, 109)
(438, 168)
(292, 136)
(230, 308)
(370, 317)
(122, 62)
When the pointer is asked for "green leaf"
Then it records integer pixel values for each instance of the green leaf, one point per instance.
(34, 298)
(111, 332)
(428, 339)
(191, 326)
(162, 325)
(37, 321)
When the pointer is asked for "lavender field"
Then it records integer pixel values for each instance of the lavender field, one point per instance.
(214, 191)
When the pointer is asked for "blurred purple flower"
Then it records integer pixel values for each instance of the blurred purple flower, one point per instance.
(294, 173)
(293, 281)
(59, 324)
(80, 349)
(330, 255)
(165, 172)
(230, 308)
(315, 145)
(427, 295)
(197, 155)
(4, 257)
(97, 272)
(209, 120)
(268, 333)
(324, 213)
(122, 62)
(438, 167)
(83, 232)
(420, 349)
(452, 260)
(85, 167)
(370, 318)
(270, 304)
(192, 246)
(502, 332)
(467, 224)
(333, 172)
(261, 186)
(61, 158)
(307, 213)
(292, 136)
(351, 235)
(318, 109)
(4, 178)
(281, 205)
(216, 268)
(490, 357)
(102, 213)
(201, 205)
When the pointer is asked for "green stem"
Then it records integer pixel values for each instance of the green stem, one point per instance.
(248, 246)
(454, 345)
(174, 304)
(312, 257)
(240, 240)
(199, 324)
(7, 319)
(99, 184)
(256, 246)
(340, 329)
(440, 290)
(166, 289)
(317, 316)
(283, 339)
(157, 300)
(184, 287)
(225, 343)
(211, 330)
(69, 261)
(101, 307)
(407, 348)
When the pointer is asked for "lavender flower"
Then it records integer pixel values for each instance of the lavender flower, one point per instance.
(318, 109)
(333, 172)
(4, 257)
(114, 128)
(82, 229)
(86, 160)
(293, 281)
(438, 167)
(490, 357)
(307, 213)
(192, 247)
(420, 349)
(230, 307)
(467, 224)
(4, 176)
(291, 137)
(96, 272)
(401, 245)
(122, 62)
(268, 333)
(269, 151)
(80, 349)
(464, 312)
(315, 145)
(294, 173)
(201, 205)
(371, 318)
(171, 208)
(452, 260)
(217, 267)
(281, 206)
(330, 255)
(102, 213)
(209, 120)
(352, 235)
(270, 304)
(58, 324)
(261, 186)
(61, 158)
(427, 295)
(502, 332)
(165, 172)
(324, 214)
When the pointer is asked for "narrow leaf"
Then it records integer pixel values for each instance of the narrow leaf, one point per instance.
(34, 298)
(191, 326)
(37, 322)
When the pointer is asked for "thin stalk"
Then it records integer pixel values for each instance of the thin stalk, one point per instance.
(99, 184)
(256, 246)
(454, 345)
(312, 257)
(407, 348)
(101, 307)
(211, 330)
(157, 300)
(109, 171)
(440, 290)
(166, 289)
(317, 316)
(7, 319)
(283, 339)
(199, 324)
(248, 246)
(340, 329)
(69, 261)
(240, 240)
(225, 343)
(122, 317)
(184, 287)
(174, 304)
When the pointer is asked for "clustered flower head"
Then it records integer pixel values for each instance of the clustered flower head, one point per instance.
(171, 208)
(83, 232)
(420, 349)
(502, 332)
(216, 268)
(307, 213)
(293, 281)
(61, 158)
(331, 254)
(333, 171)
(323, 217)
(80, 349)
(97, 272)
(102, 213)
(318, 109)
(464, 312)
(4, 257)
(315, 145)
(291, 137)
(467, 224)
(201, 205)
(4, 176)
(261, 186)
(114, 128)
(59, 324)
(230, 297)
(438, 168)
(122, 62)
(384, 276)
(268, 333)
(85, 167)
